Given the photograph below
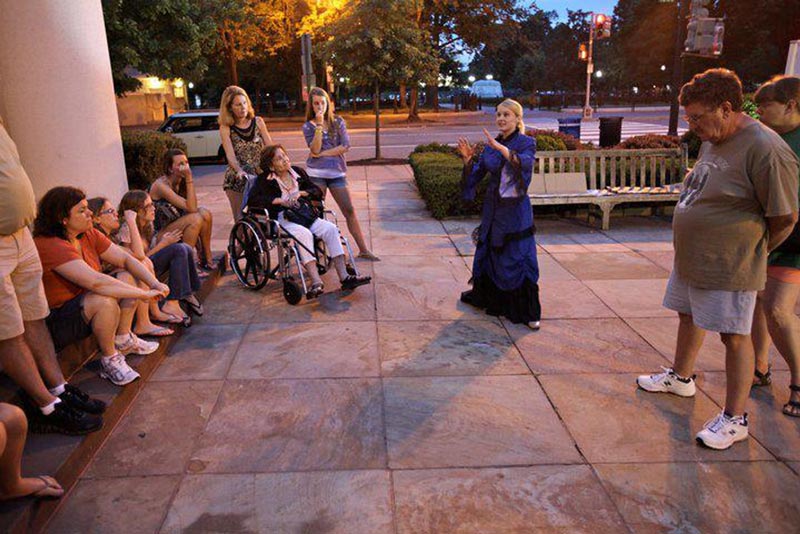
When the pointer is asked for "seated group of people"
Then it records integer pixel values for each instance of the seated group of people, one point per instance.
(88, 269)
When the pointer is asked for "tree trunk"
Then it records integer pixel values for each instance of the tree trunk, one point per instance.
(403, 103)
(432, 97)
(230, 58)
(259, 100)
(413, 112)
(377, 121)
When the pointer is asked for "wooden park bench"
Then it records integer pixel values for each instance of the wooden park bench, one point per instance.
(571, 177)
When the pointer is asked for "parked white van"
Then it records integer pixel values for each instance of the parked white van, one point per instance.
(487, 89)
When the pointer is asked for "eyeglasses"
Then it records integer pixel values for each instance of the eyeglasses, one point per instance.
(109, 211)
(697, 117)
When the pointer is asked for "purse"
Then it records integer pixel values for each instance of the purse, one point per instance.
(303, 213)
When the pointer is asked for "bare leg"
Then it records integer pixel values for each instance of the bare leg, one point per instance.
(189, 224)
(18, 363)
(739, 365)
(235, 200)
(690, 339)
(205, 233)
(760, 335)
(784, 326)
(127, 307)
(103, 314)
(13, 430)
(342, 197)
(37, 337)
(143, 323)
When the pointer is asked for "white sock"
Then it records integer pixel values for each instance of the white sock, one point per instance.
(50, 408)
(59, 389)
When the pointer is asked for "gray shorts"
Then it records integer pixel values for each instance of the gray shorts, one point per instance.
(726, 312)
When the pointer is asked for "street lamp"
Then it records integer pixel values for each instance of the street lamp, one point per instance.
(663, 68)
(599, 74)
(489, 77)
(471, 78)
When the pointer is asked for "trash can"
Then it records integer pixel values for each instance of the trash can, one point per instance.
(610, 131)
(570, 126)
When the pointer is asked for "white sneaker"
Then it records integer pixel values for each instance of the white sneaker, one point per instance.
(534, 325)
(722, 431)
(135, 345)
(667, 382)
(117, 370)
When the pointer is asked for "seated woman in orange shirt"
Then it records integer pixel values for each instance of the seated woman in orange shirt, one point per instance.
(83, 300)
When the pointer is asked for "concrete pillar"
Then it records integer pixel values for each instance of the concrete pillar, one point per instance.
(57, 95)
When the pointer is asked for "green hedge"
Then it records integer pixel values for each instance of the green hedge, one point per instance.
(438, 177)
(144, 151)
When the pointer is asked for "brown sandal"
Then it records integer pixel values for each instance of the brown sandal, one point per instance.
(763, 379)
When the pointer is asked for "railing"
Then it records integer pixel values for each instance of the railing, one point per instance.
(618, 168)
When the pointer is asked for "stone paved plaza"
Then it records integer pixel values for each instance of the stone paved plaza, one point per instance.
(397, 409)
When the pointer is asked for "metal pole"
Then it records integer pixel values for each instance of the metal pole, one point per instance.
(677, 67)
(587, 108)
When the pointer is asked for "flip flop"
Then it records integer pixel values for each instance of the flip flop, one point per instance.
(368, 256)
(160, 331)
(173, 319)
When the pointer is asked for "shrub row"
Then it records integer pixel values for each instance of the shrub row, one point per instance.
(144, 151)
(438, 177)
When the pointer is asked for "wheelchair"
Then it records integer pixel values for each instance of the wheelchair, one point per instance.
(260, 250)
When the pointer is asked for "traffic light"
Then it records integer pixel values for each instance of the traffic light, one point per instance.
(583, 52)
(602, 26)
(704, 34)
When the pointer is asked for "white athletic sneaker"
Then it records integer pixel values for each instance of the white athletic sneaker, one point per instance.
(117, 370)
(667, 382)
(722, 431)
(135, 345)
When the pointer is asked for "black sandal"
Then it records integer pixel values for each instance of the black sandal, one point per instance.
(764, 379)
(315, 290)
(194, 305)
(353, 281)
(792, 408)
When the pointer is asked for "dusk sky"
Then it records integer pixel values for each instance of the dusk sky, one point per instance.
(561, 6)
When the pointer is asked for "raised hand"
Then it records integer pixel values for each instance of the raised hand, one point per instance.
(491, 141)
(465, 149)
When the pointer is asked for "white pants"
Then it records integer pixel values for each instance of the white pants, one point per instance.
(325, 230)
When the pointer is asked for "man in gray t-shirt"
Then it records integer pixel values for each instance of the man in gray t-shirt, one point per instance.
(738, 203)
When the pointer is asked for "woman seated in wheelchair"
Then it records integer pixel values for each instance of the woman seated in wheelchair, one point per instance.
(292, 199)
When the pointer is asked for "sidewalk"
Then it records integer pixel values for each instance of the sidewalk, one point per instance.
(397, 409)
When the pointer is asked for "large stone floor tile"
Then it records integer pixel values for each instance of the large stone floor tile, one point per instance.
(407, 228)
(399, 215)
(570, 299)
(314, 350)
(559, 243)
(708, 498)
(293, 425)
(343, 502)
(779, 433)
(614, 421)
(115, 505)
(463, 244)
(662, 333)
(610, 266)
(461, 226)
(204, 352)
(446, 348)
(663, 258)
(434, 300)
(413, 245)
(585, 346)
(414, 269)
(520, 499)
(230, 303)
(387, 172)
(472, 421)
(157, 436)
(333, 305)
(595, 241)
(633, 298)
(551, 271)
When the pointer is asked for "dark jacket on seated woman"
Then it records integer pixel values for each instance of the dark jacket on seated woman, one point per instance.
(265, 191)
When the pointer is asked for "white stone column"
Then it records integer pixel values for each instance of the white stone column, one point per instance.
(57, 95)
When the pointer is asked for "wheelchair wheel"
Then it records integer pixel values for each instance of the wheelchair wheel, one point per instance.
(249, 254)
(292, 291)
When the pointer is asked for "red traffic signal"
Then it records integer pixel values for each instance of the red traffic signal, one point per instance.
(602, 26)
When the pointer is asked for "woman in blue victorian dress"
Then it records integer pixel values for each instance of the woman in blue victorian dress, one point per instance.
(505, 272)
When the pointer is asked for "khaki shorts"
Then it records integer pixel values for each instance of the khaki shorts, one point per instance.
(726, 312)
(22, 296)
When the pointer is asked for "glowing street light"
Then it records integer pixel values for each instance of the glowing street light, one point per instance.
(599, 74)
(489, 77)
(191, 85)
(663, 68)
(471, 78)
